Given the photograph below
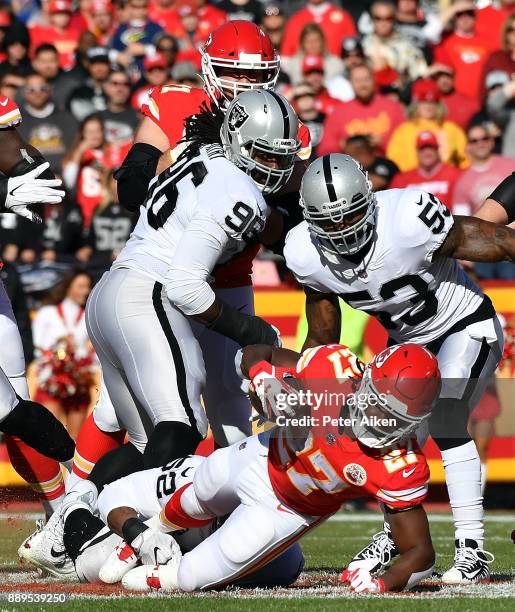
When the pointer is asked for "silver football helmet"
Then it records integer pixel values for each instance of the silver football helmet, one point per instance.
(338, 203)
(261, 128)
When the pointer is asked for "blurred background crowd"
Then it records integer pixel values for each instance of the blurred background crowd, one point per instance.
(420, 92)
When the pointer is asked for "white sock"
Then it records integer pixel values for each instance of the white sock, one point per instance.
(463, 476)
(83, 495)
(52, 505)
(72, 480)
(484, 472)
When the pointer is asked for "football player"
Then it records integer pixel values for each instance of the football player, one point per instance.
(30, 427)
(393, 255)
(90, 543)
(279, 485)
(237, 57)
(199, 212)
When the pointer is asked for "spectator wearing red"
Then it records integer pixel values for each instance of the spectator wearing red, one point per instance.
(504, 59)
(85, 166)
(336, 24)
(163, 12)
(156, 73)
(59, 32)
(460, 108)
(466, 51)
(426, 113)
(491, 19)
(486, 171)
(370, 114)
(312, 43)
(431, 174)
(101, 22)
(313, 71)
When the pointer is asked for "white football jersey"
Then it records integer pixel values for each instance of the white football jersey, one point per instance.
(207, 193)
(417, 297)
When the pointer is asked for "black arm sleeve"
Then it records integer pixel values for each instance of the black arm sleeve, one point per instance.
(504, 193)
(24, 166)
(134, 175)
(242, 328)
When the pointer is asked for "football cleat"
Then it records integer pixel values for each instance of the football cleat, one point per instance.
(153, 577)
(470, 564)
(377, 554)
(45, 550)
(120, 561)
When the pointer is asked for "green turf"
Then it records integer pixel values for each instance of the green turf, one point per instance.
(327, 548)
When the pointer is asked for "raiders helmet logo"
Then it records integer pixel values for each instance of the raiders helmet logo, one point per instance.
(237, 117)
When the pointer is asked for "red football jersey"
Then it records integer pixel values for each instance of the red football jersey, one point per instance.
(168, 107)
(9, 113)
(331, 469)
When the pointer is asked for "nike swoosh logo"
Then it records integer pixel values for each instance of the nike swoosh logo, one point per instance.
(406, 473)
(281, 508)
(56, 554)
(4, 102)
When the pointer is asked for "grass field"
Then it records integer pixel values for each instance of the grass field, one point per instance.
(326, 549)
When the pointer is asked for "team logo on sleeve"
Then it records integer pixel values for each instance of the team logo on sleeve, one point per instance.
(237, 117)
(355, 474)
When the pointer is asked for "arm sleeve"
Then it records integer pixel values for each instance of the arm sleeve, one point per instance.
(195, 257)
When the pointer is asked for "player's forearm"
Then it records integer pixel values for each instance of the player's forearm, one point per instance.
(412, 566)
(473, 239)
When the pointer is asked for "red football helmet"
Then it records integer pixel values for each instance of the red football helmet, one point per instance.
(242, 46)
(397, 393)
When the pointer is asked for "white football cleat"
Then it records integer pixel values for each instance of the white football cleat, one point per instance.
(153, 577)
(120, 561)
(45, 550)
(377, 554)
(470, 564)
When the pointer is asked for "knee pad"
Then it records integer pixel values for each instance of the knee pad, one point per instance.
(258, 526)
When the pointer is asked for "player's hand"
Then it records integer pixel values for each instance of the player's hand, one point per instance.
(155, 547)
(29, 189)
(267, 383)
(361, 580)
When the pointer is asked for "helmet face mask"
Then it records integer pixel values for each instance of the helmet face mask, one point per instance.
(253, 135)
(338, 204)
(238, 48)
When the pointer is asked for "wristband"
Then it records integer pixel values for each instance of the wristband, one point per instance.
(132, 528)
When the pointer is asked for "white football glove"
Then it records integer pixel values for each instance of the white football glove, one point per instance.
(155, 547)
(267, 385)
(28, 189)
(361, 581)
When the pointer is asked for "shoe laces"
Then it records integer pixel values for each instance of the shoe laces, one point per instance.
(466, 557)
(380, 546)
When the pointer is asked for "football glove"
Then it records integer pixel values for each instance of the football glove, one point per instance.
(361, 580)
(29, 189)
(155, 547)
(267, 382)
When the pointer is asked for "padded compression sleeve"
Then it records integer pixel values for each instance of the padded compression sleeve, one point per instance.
(135, 174)
(504, 194)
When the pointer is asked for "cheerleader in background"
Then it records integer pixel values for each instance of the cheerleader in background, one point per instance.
(65, 359)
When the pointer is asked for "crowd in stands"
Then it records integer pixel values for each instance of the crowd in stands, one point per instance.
(421, 92)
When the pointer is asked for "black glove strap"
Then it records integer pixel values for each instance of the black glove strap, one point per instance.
(132, 528)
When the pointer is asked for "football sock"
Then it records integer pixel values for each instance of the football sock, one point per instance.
(463, 475)
(92, 444)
